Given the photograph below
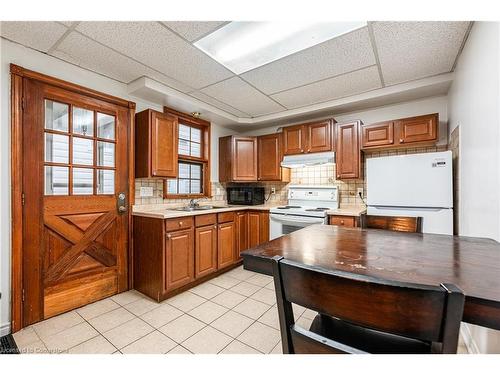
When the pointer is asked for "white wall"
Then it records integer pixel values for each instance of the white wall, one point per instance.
(391, 112)
(30, 59)
(474, 105)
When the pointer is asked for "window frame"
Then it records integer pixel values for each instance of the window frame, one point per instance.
(204, 160)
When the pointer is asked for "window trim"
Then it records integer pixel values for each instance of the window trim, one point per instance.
(204, 126)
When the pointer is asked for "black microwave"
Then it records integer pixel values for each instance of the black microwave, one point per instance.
(245, 195)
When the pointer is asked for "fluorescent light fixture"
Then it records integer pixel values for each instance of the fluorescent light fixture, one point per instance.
(243, 46)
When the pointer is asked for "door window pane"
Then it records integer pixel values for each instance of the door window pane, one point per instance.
(56, 180)
(105, 154)
(83, 121)
(105, 126)
(105, 181)
(56, 116)
(56, 148)
(83, 151)
(83, 181)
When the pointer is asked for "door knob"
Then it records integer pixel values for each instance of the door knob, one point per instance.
(122, 203)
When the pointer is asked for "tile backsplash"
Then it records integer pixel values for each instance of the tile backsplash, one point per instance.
(314, 175)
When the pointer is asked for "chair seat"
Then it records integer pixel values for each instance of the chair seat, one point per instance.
(366, 339)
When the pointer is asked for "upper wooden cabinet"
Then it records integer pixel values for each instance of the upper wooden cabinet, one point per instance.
(156, 144)
(412, 131)
(305, 138)
(348, 154)
(237, 159)
(269, 158)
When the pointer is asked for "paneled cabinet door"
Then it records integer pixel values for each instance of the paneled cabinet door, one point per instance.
(258, 228)
(179, 259)
(269, 160)
(348, 152)
(418, 129)
(319, 137)
(245, 159)
(163, 145)
(377, 135)
(205, 250)
(226, 240)
(241, 232)
(294, 140)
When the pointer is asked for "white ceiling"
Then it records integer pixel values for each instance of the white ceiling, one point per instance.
(375, 57)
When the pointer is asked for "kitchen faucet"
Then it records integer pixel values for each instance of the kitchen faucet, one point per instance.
(193, 203)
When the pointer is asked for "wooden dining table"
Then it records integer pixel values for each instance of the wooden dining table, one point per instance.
(472, 264)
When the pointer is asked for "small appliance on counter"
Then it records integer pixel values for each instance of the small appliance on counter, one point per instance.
(413, 185)
(245, 195)
(307, 205)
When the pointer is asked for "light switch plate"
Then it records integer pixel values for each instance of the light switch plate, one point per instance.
(146, 191)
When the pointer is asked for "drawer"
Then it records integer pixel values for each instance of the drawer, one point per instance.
(179, 223)
(345, 221)
(202, 220)
(224, 217)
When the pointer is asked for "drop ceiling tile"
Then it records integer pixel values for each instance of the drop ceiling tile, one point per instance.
(339, 55)
(37, 35)
(333, 88)
(216, 103)
(239, 94)
(193, 30)
(413, 50)
(82, 51)
(157, 47)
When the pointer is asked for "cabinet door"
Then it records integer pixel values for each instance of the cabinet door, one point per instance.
(241, 232)
(264, 227)
(319, 138)
(244, 159)
(418, 129)
(269, 151)
(226, 240)
(294, 140)
(348, 153)
(205, 240)
(179, 259)
(377, 135)
(164, 141)
(258, 228)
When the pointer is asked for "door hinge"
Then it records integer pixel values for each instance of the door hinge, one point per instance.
(22, 103)
(22, 297)
(22, 199)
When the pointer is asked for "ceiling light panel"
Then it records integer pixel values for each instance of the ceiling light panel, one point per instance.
(243, 46)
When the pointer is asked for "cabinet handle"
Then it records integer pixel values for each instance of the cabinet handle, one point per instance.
(169, 235)
(215, 226)
(308, 150)
(180, 223)
(342, 222)
(401, 140)
(301, 150)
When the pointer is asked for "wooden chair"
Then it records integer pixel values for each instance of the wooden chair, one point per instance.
(395, 223)
(361, 314)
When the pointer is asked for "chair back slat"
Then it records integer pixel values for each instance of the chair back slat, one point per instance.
(394, 223)
(307, 342)
(403, 309)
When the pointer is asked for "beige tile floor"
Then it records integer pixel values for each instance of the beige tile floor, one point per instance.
(234, 313)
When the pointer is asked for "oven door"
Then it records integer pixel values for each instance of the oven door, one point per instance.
(283, 224)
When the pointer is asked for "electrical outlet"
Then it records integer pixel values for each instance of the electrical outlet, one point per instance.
(359, 192)
(146, 191)
(273, 190)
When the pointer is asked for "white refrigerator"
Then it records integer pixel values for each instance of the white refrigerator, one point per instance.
(413, 185)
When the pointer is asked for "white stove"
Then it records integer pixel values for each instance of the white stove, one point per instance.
(307, 205)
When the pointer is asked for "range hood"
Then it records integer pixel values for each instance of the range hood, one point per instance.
(305, 160)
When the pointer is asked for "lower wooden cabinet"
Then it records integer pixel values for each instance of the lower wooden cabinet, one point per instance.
(241, 222)
(344, 221)
(226, 239)
(179, 259)
(258, 228)
(205, 240)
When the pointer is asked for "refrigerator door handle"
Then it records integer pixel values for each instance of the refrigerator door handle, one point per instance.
(406, 208)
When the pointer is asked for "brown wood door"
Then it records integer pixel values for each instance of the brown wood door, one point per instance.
(348, 154)
(241, 232)
(294, 140)
(377, 135)
(164, 144)
(179, 258)
(226, 240)
(269, 151)
(258, 228)
(418, 129)
(205, 239)
(244, 159)
(319, 137)
(75, 166)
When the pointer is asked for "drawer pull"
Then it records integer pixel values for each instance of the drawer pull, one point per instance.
(169, 235)
(180, 223)
(342, 222)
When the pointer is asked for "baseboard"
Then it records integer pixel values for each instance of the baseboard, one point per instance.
(468, 340)
(4, 329)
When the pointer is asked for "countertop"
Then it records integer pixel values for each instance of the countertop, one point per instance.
(348, 210)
